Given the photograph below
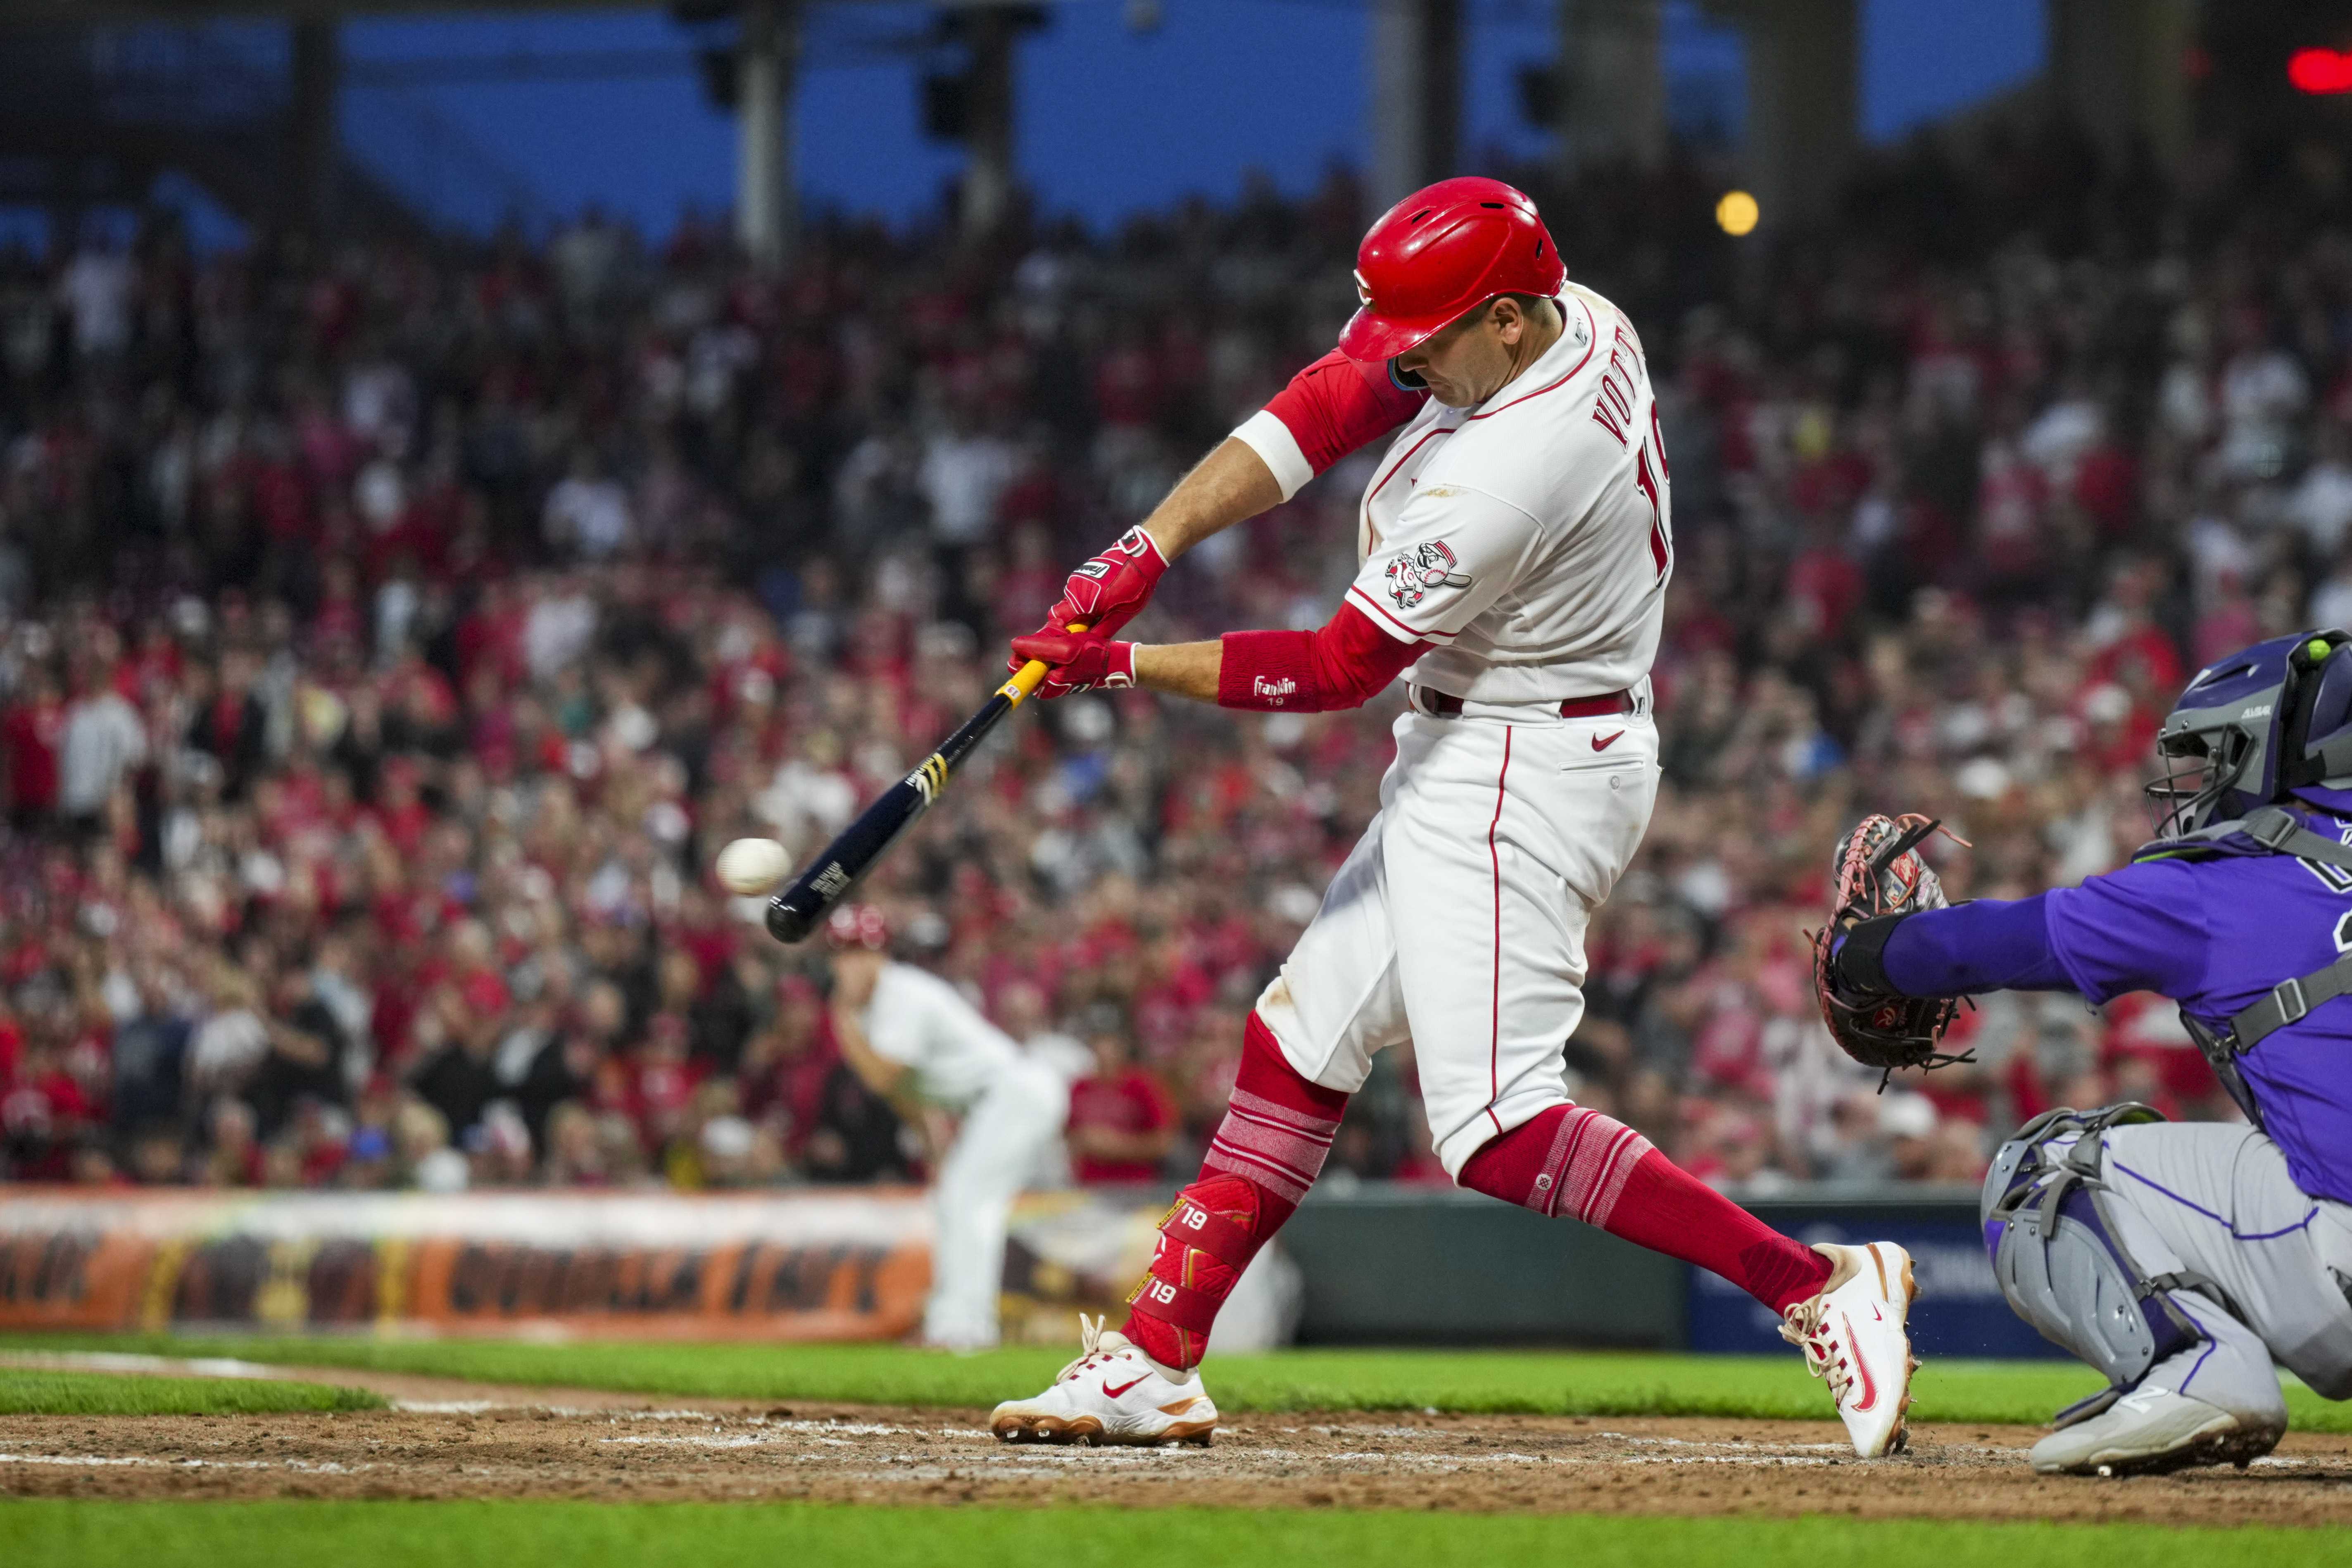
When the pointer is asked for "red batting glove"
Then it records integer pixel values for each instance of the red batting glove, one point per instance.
(1106, 592)
(1080, 661)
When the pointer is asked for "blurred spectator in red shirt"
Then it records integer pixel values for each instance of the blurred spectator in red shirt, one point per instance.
(2146, 1045)
(29, 734)
(1122, 1120)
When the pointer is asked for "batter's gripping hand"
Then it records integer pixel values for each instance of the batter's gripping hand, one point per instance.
(1878, 871)
(1109, 590)
(1078, 661)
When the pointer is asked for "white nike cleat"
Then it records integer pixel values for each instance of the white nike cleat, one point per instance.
(1112, 1393)
(1854, 1340)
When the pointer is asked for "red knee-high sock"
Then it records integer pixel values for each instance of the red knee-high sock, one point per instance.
(1576, 1163)
(1267, 1153)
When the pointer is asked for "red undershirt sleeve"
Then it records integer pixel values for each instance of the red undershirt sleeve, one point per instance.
(1328, 410)
(1339, 665)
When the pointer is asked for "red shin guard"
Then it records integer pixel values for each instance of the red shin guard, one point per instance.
(1278, 1128)
(1574, 1161)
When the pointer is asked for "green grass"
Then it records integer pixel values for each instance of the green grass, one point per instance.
(1535, 1382)
(35, 1391)
(497, 1535)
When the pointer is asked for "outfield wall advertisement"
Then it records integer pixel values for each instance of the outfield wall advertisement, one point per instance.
(796, 1266)
(1372, 1264)
(813, 1266)
(801, 1266)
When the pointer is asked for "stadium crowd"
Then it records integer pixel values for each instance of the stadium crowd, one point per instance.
(388, 640)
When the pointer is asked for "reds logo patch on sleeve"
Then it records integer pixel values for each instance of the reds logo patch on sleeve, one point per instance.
(1414, 571)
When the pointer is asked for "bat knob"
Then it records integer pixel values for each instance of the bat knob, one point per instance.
(788, 921)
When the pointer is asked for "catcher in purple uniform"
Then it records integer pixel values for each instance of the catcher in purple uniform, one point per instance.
(2178, 1259)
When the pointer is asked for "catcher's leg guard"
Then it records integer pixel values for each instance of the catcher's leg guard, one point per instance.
(2057, 1254)
(2077, 1265)
(1271, 1146)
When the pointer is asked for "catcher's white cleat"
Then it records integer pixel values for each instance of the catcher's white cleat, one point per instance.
(2152, 1428)
(1112, 1393)
(1853, 1338)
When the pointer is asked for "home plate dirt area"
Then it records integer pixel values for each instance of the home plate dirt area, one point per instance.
(449, 1440)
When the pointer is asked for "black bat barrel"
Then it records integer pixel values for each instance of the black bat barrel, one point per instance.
(791, 915)
(799, 909)
(796, 911)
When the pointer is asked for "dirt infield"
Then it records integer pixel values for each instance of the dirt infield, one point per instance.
(448, 1440)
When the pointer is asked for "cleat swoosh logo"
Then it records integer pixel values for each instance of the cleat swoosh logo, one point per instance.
(1861, 1369)
(1111, 1392)
(1603, 742)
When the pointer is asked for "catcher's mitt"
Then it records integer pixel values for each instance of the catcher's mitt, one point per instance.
(1878, 871)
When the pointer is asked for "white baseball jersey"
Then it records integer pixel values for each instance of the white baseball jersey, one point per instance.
(921, 1021)
(1528, 538)
(1013, 1107)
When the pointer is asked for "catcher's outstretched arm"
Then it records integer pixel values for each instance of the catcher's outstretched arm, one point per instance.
(2141, 927)
(1991, 945)
(1890, 966)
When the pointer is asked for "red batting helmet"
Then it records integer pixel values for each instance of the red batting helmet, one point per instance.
(1440, 253)
(857, 926)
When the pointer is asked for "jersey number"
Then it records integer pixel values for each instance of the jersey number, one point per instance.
(1662, 540)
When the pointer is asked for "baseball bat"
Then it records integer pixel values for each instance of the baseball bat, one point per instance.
(855, 851)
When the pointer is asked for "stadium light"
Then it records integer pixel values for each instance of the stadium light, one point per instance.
(1736, 213)
(2320, 71)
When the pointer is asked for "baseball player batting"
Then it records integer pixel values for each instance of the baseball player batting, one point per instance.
(1515, 544)
(2177, 1259)
(913, 1040)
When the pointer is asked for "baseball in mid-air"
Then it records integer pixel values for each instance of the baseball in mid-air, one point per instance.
(753, 866)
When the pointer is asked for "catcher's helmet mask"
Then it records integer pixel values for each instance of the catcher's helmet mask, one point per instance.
(2266, 723)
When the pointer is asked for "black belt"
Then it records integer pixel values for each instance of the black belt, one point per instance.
(1445, 705)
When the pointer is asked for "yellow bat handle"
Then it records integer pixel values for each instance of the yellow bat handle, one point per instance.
(1023, 684)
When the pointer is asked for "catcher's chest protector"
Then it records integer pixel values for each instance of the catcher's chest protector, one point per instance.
(2267, 832)
(2056, 1257)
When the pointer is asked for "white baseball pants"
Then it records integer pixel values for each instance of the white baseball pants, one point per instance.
(1458, 921)
(985, 1169)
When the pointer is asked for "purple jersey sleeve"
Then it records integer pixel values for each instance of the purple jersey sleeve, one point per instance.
(1991, 945)
(2142, 928)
